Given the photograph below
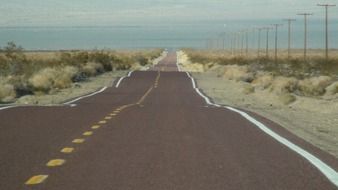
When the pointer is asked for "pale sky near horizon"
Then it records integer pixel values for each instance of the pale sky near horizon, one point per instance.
(130, 12)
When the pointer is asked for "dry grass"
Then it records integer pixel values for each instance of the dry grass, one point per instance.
(314, 86)
(42, 72)
(332, 89)
(315, 77)
(294, 67)
(92, 69)
(7, 92)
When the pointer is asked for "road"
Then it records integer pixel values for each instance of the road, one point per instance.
(154, 132)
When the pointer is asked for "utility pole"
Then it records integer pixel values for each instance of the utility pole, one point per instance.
(222, 38)
(232, 44)
(242, 41)
(246, 42)
(240, 44)
(276, 40)
(259, 41)
(208, 44)
(267, 42)
(289, 35)
(305, 32)
(326, 29)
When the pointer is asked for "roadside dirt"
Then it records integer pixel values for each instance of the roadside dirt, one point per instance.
(313, 119)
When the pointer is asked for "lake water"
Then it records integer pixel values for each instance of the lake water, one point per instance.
(158, 35)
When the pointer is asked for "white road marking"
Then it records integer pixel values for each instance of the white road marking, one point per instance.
(325, 169)
(121, 79)
(7, 107)
(86, 96)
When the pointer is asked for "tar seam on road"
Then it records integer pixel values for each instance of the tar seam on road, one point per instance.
(121, 79)
(325, 169)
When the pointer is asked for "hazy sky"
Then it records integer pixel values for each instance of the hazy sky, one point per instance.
(117, 12)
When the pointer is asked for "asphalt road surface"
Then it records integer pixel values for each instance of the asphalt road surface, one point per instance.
(154, 132)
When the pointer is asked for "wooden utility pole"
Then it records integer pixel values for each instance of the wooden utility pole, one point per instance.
(326, 29)
(305, 32)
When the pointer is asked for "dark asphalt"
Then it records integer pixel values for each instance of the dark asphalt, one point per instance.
(167, 139)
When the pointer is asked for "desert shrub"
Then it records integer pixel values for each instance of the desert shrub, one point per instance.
(283, 85)
(14, 59)
(314, 86)
(293, 67)
(263, 81)
(141, 60)
(64, 77)
(81, 57)
(92, 69)
(4, 66)
(50, 78)
(43, 80)
(7, 91)
(104, 59)
(35, 72)
(332, 89)
(238, 73)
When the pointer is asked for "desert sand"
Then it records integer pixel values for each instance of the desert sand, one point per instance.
(315, 119)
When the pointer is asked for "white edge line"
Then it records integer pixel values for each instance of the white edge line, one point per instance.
(121, 79)
(7, 107)
(70, 103)
(325, 169)
(79, 98)
(86, 96)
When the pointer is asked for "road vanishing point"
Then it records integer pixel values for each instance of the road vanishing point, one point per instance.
(155, 130)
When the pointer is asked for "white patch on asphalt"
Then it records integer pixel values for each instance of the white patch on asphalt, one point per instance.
(325, 169)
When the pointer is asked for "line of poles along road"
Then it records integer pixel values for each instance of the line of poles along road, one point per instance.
(239, 41)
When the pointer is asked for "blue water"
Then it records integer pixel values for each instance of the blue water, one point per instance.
(159, 35)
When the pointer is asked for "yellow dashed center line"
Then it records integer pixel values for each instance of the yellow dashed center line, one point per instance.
(78, 141)
(103, 122)
(87, 133)
(56, 162)
(95, 126)
(144, 96)
(67, 150)
(36, 179)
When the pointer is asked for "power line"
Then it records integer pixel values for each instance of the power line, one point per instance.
(259, 41)
(267, 42)
(326, 29)
(305, 32)
(276, 40)
(289, 35)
